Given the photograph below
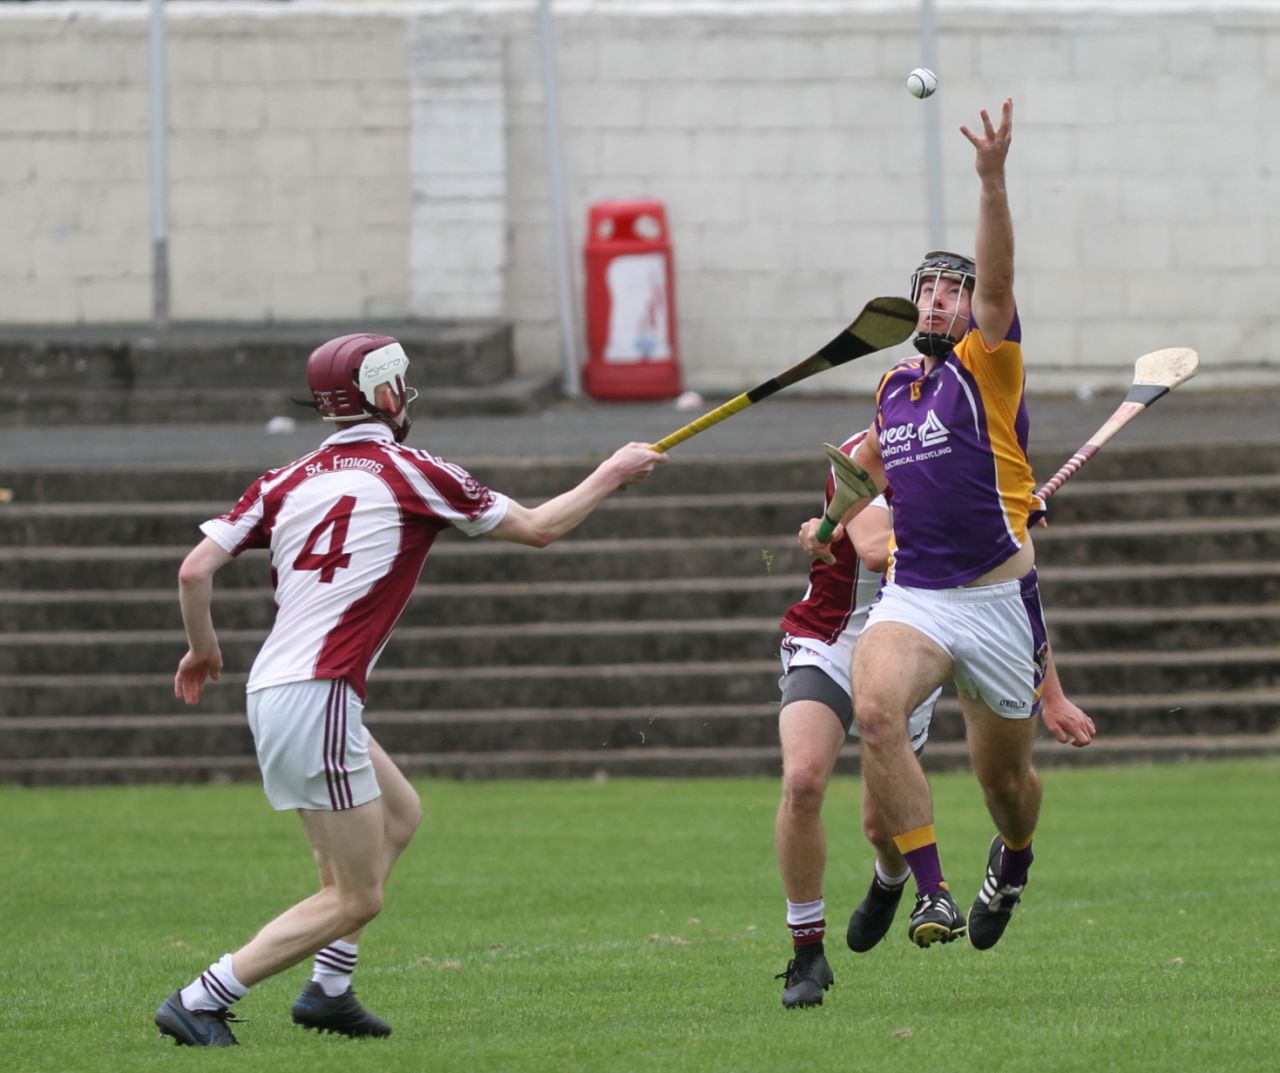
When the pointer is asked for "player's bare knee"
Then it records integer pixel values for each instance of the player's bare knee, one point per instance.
(360, 905)
(403, 824)
(877, 832)
(878, 726)
(1008, 783)
(803, 788)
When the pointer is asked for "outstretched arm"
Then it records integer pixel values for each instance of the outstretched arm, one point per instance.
(539, 526)
(993, 304)
(195, 596)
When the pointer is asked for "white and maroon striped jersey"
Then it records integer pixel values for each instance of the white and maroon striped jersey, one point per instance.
(839, 594)
(349, 527)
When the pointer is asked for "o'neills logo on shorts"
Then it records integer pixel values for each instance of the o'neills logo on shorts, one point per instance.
(1013, 705)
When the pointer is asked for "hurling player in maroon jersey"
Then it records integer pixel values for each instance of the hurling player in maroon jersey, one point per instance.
(348, 528)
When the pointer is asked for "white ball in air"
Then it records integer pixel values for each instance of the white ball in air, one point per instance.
(922, 82)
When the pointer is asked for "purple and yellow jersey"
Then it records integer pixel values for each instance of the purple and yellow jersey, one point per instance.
(954, 445)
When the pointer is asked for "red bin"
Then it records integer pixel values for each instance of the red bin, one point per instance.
(631, 307)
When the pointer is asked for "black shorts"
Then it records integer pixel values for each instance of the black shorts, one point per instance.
(810, 683)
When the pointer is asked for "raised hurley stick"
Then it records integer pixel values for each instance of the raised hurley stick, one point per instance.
(1154, 376)
(883, 322)
(852, 483)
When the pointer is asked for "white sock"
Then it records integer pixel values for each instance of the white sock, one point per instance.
(805, 912)
(214, 989)
(888, 880)
(334, 966)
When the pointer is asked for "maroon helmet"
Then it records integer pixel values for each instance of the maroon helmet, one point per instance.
(344, 372)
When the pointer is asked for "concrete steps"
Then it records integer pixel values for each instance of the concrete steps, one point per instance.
(1125, 632)
(1069, 592)
(646, 643)
(764, 514)
(632, 762)
(200, 373)
(1188, 464)
(1176, 542)
(657, 684)
(691, 725)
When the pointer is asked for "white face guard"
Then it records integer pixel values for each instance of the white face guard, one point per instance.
(386, 365)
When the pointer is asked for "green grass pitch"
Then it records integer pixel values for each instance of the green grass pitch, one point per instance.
(635, 925)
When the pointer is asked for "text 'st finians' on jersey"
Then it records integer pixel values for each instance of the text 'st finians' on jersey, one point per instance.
(349, 527)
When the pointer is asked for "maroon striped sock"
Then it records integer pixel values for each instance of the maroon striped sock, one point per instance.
(807, 938)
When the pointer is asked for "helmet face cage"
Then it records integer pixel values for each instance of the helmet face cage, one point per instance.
(937, 266)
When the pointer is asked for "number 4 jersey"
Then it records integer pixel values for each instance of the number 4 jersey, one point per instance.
(349, 527)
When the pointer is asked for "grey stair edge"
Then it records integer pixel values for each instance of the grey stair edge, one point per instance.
(429, 589)
(1111, 706)
(1159, 657)
(375, 717)
(757, 624)
(647, 762)
(1171, 744)
(753, 624)
(574, 545)
(1238, 654)
(210, 507)
(1084, 489)
(520, 394)
(1255, 445)
(1164, 526)
(1175, 613)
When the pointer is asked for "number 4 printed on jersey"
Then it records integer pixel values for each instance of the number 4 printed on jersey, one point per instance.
(328, 562)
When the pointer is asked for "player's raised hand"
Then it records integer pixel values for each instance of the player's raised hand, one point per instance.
(992, 145)
(634, 462)
(193, 670)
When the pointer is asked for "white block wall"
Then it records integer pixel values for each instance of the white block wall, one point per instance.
(348, 159)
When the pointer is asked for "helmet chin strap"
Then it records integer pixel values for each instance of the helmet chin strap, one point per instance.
(933, 344)
(399, 431)
(406, 396)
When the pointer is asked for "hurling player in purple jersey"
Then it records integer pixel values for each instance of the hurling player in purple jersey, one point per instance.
(820, 633)
(960, 600)
(348, 528)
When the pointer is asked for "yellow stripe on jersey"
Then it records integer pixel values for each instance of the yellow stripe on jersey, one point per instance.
(998, 372)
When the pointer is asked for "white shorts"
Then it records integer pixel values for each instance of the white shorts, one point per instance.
(994, 634)
(834, 661)
(312, 746)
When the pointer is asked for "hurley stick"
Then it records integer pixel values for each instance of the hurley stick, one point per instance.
(852, 483)
(1154, 376)
(883, 322)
